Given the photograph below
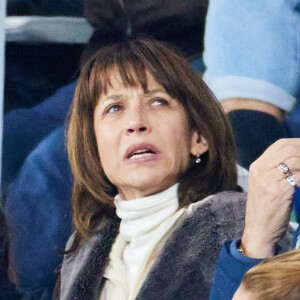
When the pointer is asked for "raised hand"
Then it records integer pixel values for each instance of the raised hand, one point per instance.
(272, 180)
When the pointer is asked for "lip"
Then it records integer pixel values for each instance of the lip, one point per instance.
(141, 146)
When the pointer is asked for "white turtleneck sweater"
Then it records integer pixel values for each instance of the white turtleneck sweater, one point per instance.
(145, 222)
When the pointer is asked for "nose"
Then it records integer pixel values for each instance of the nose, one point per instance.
(137, 129)
(137, 121)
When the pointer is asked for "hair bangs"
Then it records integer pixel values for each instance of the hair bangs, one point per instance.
(106, 64)
(132, 60)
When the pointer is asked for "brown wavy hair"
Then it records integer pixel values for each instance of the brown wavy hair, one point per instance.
(92, 197)
(275, 278)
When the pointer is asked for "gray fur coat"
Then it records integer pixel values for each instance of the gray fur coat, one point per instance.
(183, 270)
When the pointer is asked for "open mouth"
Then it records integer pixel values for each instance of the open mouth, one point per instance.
(141, 150)
(141, 153)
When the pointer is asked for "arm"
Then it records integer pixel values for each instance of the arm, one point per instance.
(230, 269)
(8, 290)
(269, 203)
(25, 128)
(270, 198)
(39, 215)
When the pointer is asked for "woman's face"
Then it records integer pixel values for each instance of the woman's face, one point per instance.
(143, 138)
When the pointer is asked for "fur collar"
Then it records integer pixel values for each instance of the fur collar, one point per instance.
(184, 269)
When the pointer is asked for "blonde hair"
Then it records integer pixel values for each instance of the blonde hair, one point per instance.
(275, 278)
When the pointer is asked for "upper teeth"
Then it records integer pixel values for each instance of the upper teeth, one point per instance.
(136, 155)
(140, 153)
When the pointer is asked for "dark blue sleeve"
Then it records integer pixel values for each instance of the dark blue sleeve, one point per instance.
(229, 273)
(25, 128)
(297, 201)
(38, 212)
(296, 240)
(8, 290)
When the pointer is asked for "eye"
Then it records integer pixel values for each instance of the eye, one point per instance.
(113, 109)
(160, 102)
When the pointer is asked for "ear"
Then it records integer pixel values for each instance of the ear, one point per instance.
(199, 144)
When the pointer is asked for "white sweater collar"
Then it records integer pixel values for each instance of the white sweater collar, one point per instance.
(140, 216)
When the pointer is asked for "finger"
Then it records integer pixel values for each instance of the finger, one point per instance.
(282, 143)
(273, 173)
(293, 164)
(294, 180)
(273, 186)
(276, 175)
(281, 151)
(292, 177)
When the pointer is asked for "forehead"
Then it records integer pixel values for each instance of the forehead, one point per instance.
(117, 82)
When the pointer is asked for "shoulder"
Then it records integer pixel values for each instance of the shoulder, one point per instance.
(214, 220)
(229, 197)
(221, 215)
(229, 200)
(218, 203)
(194, 246)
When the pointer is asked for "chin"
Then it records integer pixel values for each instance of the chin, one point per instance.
(152, 184)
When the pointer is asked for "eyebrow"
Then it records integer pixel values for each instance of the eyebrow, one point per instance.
(147, 92)
(114, 97)
(154, 91)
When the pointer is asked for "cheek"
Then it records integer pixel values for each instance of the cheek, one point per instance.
(179, 145)
(183, 154)
(182, 133)
(185, 147)
(105, 148)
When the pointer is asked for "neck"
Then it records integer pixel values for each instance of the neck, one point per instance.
(134, 194)
(144, 214)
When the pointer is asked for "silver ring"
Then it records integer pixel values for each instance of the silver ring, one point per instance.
(284, 169)
(291, 180)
